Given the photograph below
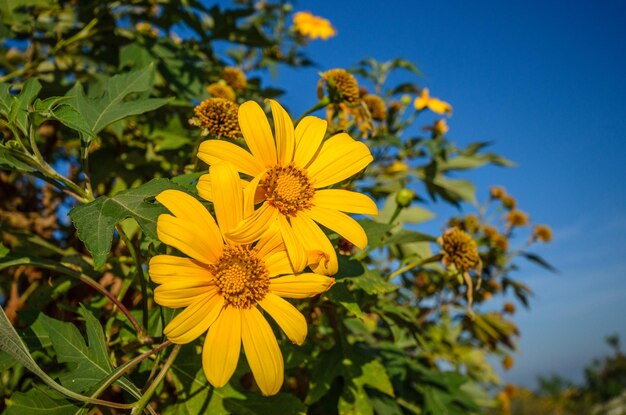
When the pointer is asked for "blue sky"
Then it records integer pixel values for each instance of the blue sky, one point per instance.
(546, 82)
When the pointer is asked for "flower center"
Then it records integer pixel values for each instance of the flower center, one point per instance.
(288, 189)
(241, 276)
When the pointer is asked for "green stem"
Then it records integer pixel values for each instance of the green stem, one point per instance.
(321, 104)
(412, 265)
(127, 366)
(139, 272)
(145, 398)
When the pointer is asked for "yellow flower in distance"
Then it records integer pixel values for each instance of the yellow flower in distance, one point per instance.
(313, 27)
(221, 284)
(289, 170)
(434, 104)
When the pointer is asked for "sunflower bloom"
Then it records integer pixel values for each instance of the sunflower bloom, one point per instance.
(434, 104)
(289, 171)
(313, 27)
(222, 283)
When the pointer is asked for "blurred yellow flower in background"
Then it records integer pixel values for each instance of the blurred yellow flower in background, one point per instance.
(289, 170)
(222, 282)
(313, 27)
(434, 104)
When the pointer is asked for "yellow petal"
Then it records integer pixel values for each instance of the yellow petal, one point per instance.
(168, 268)
(222, 347)
(262, 352)
(278, 264)
(189, 238)
(345, 201)
(205, 189)
(339, 158)
(309, 135)
(254, 226)
(440, 107)
(188, 209)
(341, 223)
(300, 286)
(287, 316)
(257, 133)
(270, 243)
(195, 319)
(176, 295)
(295, 250)
(283, 128)
(227, 197)
(322, 257)
(252, 195)
(215, 151)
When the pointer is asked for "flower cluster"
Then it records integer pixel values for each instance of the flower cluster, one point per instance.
(269, 201)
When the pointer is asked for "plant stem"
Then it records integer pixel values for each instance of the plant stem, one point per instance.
(145, 398)
(321, 104)
(139, 272)
(127, 366)
(412, 265)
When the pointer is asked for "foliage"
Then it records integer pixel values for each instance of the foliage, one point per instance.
(95, 103)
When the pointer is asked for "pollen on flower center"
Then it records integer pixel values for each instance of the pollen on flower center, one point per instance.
(288, 189)
(241, 276)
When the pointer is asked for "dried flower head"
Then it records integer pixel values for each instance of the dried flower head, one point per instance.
(509, 308)
(459, 249)
(507, 362)
(341, 86)
(542, 233)
(218, 117)
(376, 107)
(508, 202)
(235, 78)
(313, 27)
(517, 218)
(500, 242)
(221, 90)
(497, 192)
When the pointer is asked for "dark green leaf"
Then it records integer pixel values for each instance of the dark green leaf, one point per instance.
(70, 117)
(89, 364)
(539, 261)
(19, 107)
(95, 222)
(122, 96)
(40, 400)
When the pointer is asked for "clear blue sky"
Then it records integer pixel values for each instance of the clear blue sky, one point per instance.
(546, 81)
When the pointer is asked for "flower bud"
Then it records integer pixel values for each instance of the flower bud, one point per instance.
(404, 197)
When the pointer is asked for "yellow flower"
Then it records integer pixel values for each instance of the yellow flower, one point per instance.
(397, 167)
(376, 107)
(221, 90)
(434, 104)
(341, 86)
(221, 284)
(542, 233)
(517, 218)
(313, 27)
(497, 192)
(217, 116)
(289, 170)
(459, 249)
(235, 78)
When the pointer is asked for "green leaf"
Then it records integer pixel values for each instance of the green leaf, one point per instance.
(539, 261)
(372, 283)
(19, 107)
(122, 96)
(411, 214)
(70, 117)
(12, 159)
(405, 236)
(6, 99)
(11, 343)
(359, 374)
(40, 400)
(95, 221)
(89, 364)
(375, 231)
(339, 294)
